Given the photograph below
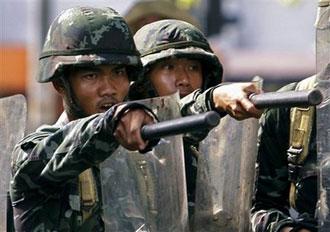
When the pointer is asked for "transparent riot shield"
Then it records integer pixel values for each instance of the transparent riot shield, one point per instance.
(147, 192)
(323, 155)
(225, 179)
(323, 112)
(12, 126)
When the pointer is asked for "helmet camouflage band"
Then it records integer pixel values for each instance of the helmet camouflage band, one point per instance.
(175, 38)
(87, 36)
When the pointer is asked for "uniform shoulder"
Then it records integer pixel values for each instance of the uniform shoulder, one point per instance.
(288, 87)
(38, 135)
(306, 83)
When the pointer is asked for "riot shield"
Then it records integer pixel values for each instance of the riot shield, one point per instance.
(12, 126)
(323, 156)
(323, 112)
(225, 179)
(147, 192)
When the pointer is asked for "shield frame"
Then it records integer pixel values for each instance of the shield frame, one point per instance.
(226, 176)
(156, 199)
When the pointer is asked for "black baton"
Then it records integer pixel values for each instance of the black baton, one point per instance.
(287, 99)
(211, 119)
(180, 125)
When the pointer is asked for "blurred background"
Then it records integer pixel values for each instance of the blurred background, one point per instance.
(274, 39)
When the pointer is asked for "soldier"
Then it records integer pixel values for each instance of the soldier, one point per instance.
(287, 154)
(177, 57)
(90, 57)
(271, 204)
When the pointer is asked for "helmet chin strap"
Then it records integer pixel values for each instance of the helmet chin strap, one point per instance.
(71, 105)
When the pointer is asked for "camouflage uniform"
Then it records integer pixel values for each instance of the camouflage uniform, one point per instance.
(46, 187)
(174, 38)
(270, 211)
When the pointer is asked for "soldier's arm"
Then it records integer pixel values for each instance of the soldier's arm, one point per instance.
(223, 98)
(195, 103)
(53, 158)
(231, 98)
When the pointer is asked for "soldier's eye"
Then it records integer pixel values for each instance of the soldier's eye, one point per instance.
(121, 71)
(168, 66)
(89, 76)
(194, 66)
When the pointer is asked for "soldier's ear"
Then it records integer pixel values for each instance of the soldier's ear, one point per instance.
(58, 85)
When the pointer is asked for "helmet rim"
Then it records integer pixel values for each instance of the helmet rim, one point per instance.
(51, 66)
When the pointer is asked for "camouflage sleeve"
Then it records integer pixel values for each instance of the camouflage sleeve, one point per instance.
(195, 103)
(54, 156)
(270, 206)
(198, 102)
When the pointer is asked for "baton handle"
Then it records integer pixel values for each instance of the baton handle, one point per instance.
(287, 99)
(180, 125)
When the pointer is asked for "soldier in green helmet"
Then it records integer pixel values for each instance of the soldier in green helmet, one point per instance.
(176, 56)
(90, 57)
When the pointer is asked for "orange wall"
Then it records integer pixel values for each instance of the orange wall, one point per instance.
(13, 69)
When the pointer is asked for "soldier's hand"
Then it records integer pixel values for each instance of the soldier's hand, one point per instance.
(233, 99)
(128, 130)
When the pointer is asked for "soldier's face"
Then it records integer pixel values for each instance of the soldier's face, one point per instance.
(97, 88)
(170, 75)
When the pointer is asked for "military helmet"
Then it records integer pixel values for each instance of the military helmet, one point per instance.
(161, 9)
(87, 36)
(175, 38)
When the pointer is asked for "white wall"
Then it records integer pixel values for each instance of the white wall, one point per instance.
(267, 24)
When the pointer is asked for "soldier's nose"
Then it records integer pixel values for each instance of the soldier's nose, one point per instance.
(106, 87)
(182, 77)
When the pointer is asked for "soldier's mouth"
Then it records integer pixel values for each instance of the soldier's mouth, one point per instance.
(184, 93)
(106, 106)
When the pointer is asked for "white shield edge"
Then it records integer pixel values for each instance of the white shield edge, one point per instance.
(12, 127)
